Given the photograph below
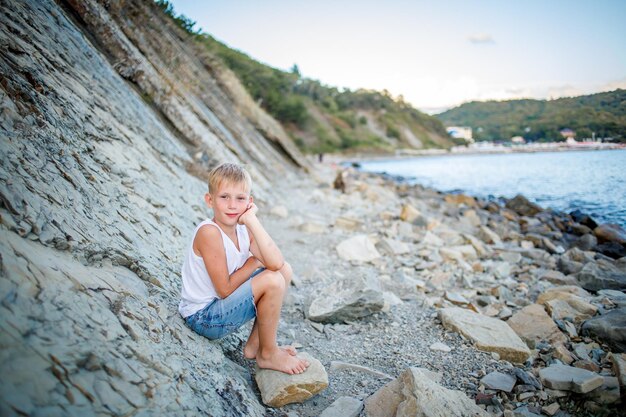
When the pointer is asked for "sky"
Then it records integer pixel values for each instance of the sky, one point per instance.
(436, 54)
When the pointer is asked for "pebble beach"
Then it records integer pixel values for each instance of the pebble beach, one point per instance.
(383, 271)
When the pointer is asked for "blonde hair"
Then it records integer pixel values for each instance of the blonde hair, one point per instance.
(230, 173)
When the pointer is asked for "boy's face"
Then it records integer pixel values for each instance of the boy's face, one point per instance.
(229, 202)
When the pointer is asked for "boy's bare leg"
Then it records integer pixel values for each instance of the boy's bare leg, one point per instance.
(252, 345)
(268, 289)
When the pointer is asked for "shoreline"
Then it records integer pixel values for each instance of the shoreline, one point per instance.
(427, 153)
(556, 202)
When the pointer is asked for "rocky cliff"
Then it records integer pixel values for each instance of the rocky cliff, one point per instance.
(110, 120)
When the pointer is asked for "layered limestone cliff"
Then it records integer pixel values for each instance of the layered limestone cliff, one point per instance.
(110, 119)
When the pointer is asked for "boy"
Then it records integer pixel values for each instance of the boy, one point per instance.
(223, 287)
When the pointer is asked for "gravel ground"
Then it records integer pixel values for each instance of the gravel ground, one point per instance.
(386, 342)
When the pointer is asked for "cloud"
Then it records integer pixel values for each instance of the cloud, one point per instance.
(613, 85)
(554, 92)
(481, 38)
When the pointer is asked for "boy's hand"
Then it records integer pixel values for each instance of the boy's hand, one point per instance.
(248, 214)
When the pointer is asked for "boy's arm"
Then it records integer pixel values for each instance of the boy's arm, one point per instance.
(261, 245)
(209, 243)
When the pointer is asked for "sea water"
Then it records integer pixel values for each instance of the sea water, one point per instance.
(591, 181)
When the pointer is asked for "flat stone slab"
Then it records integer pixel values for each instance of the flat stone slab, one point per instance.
(499, 381)
(533, 324)
(415, 393)
(393, 247)
(344, 407)
(569, 378)
(488, 334)
(278, 388)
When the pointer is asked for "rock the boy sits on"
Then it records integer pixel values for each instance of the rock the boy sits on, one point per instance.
(233, 272)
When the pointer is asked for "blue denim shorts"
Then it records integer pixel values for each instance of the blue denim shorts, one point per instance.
(223, 316)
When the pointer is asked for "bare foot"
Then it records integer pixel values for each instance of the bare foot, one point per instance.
(280, 360)
(249, 352)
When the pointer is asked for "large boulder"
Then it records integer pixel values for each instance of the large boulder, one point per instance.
(489, 334)
(609, 328)
(347, 299)
(415, 393)
(358, 248)
(603, 274)
(611, 249)
(522, 206)
(278, 388)
(533, 324)
(584, 219)
(610, 233)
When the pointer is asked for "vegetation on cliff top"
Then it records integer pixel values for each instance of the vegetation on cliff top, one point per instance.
(321, 118)
(602, 114)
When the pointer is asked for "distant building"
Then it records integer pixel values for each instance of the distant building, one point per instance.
(567, 133)
(518, 140)
(461, 132)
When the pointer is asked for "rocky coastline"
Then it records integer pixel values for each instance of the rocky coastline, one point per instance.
(505, 304)
(112, 118)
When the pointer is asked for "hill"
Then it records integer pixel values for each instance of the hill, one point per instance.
(321, 118)
(602, 115)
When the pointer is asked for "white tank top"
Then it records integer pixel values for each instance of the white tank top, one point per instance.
(197, 289)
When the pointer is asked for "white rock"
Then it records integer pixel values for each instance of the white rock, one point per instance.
(358, 248)
(280, 211)
(441, 347)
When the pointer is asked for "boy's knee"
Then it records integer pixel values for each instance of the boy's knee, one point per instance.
(286, 272)
(275, 280)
